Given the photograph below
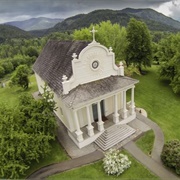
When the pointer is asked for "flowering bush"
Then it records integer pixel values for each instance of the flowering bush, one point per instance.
(115, 163)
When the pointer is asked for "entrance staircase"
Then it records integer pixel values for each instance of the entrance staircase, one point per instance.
(113, 135)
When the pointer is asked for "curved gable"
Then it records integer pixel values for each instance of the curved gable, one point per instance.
(95, 62)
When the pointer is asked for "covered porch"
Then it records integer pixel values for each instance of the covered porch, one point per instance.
(98, 120)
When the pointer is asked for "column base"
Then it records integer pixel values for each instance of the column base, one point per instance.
(100, 126)
(116, 118)
(124, 114)
(90, 130)
(132, 110)
(79, 136)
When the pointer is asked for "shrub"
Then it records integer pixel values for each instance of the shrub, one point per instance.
(171, 155)
(115, 163)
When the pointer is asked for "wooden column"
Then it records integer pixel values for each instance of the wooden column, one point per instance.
(132, 108)
(100, 122)
(78, 130)
(124, 113)
(116, 114)
(89, 127)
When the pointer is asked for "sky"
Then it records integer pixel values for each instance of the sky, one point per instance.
(18, 10)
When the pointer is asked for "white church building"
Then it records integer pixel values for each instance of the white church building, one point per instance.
(89, 89)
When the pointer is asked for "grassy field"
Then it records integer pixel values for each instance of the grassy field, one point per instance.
(146, 142)
(56, 155)
(95, 171)
(9, 95)
(161, 104)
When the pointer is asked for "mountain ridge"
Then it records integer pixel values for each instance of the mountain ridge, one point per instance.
(9, 32)
(35, 23)
(153, 19)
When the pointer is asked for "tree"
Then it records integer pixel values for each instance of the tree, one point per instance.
(31, 51)
(169, 57)
(2, 71)
(8, 66)
(20, 78)
(109, 35)
(138, 49)
(26, 132)
(171, 155)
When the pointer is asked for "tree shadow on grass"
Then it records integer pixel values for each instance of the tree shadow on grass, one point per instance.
(165, 82)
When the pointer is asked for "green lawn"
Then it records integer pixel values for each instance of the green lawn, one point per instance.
(161, 104)
(146, 142)
(56, 155)
(95, 171)
(9, 95)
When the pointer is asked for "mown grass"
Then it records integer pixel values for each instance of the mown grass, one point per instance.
(160, 102)
(10, 95)
(56, 155)
(96, 171)
(146, 142)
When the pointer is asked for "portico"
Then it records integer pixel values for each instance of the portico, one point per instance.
(123, 112)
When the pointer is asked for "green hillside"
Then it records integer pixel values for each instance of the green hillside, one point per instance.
(154, 20)
(9, 32)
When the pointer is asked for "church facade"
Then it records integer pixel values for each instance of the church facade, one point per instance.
(89, 88)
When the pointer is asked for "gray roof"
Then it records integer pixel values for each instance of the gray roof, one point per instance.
(55, 61)
(92, 90)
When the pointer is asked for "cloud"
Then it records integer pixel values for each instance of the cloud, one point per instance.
(171, 8)
(11, 10)
(175, 9)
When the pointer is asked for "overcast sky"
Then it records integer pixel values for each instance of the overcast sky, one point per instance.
(17, 10)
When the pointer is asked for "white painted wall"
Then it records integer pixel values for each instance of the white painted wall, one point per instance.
(83, 72)
(67, 116)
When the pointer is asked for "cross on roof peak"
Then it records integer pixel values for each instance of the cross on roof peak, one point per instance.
(93, 32)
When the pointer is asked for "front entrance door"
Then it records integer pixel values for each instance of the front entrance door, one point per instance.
(95, 110)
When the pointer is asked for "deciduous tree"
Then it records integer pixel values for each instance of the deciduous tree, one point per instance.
(169, 57)
(138, 49)
(20, 77)
(26, 132)
(109, 35)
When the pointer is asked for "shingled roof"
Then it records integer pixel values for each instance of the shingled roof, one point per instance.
(55, 61)
(92, 90)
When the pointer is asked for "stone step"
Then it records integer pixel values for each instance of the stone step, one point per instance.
(119, 131)
(116, 134)
(113, 135)
(115, 140)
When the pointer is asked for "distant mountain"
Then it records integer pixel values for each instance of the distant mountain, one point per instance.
(153, 19)
(9, 32)
(35, 23)
(150, 14)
